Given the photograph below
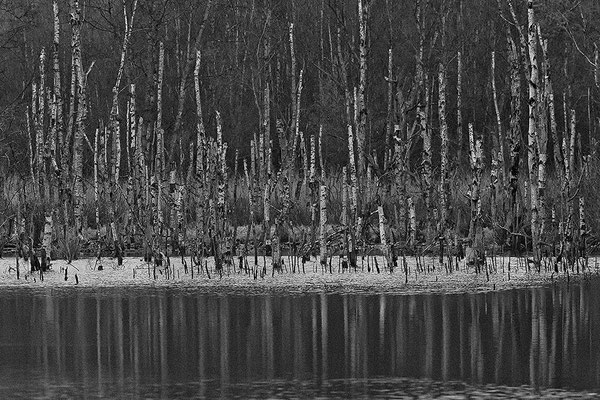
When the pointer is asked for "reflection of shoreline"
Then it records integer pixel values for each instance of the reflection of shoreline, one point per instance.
(120, 341)
(429, 278)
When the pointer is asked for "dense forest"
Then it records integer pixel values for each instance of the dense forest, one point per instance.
(224, 127)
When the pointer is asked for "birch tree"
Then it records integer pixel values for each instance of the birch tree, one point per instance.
(80, 122)
(361, 131)
(532, 136)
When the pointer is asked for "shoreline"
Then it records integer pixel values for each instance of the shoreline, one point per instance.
(135, 273)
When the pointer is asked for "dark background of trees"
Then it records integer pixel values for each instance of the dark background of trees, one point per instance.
(234, 67)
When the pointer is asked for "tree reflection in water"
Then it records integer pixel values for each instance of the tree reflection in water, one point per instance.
(115, 342)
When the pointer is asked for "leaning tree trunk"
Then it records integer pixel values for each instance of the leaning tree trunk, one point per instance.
(191, 57)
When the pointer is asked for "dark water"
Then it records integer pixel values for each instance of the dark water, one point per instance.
(169, 343)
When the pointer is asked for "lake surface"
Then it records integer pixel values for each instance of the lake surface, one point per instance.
(168, 343)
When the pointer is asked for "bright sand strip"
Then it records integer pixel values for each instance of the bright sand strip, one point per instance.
(433, 279)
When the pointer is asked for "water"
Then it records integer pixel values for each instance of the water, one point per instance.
(167, 343)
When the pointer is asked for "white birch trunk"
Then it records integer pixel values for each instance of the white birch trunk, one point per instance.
(532, 137)
(361, 131)
(40, 112)
(475, 156)
(47, 240)
(290, 151)
(80, 121)
(501, 149)
(58, 126)
(444, 152)
(323, 222)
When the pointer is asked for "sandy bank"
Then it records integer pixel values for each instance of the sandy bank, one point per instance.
(433, 278)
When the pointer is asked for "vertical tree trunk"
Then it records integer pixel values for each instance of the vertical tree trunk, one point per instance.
(385, 247)
(58, 126)
(47, 240)
(96, 182)
(476, 171)
(314, 185)
(80, 121)
(361, 131)
(353, 179)
(132, 212)
(200, 131)
(40, 112)
(570, 178)
(422, 112)
(296, 124)
(459, 118)
(532, 137)
(542, 138)
(160, 154)
(160, 146)
(343, 74)
(389, 127)
(30, 139)
(459, 80)
(500, 133)
(266, 127)
(444, 152)
(290, 151)
(515, 129)
(323, 222)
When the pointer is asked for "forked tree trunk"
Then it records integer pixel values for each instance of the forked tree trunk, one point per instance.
(191, 57)
(115, 132)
